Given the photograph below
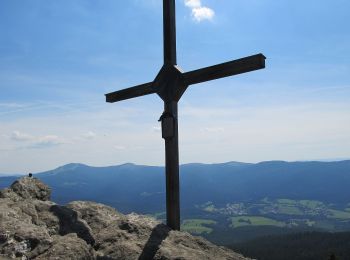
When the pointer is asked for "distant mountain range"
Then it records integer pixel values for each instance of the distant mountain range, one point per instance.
(226, 203)
(139, 188)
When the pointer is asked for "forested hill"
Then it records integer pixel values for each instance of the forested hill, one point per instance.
(301, 246)
(141, 188)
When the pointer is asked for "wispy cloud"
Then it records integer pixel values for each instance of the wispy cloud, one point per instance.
(156, 128)
(245, 133)
(31, 141)
(213, 129)
(10, 105)
(18, 136)
(199, 12)
(46, 142)
(119, 147)
(89, 135)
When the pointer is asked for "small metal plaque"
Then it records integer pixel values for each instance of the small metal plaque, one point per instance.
(167, 127)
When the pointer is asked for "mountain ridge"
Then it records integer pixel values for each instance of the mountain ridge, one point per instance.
(71, 166)
(325, 181)
(273, 191)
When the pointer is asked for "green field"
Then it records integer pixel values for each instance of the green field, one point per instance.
(254, 221)
(311, 204)
(209, 208)
(196, 226)
(158, 215)
(289, 210)
(310, 223)
(282, 212)
(325, 224)
(289, 207)
(287, 201)
(338, 214)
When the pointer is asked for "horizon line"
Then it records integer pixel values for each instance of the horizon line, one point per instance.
(184, 164)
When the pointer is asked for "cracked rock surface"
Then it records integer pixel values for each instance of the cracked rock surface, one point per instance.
(33, 227)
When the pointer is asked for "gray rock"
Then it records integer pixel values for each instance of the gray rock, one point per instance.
(33, 227)
(68, 247)
(28, 188)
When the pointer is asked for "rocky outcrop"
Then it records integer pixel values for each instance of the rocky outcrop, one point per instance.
(33, 227)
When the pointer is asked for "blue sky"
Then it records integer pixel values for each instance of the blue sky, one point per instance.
(59, 58)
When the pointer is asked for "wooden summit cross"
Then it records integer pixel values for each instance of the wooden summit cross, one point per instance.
(170, 84)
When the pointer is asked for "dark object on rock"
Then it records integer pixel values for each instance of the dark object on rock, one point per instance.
(30, 175)
(33, 227)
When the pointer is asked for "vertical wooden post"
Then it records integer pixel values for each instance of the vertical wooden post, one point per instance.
(169, 125)
(171, 164)
(169, 32)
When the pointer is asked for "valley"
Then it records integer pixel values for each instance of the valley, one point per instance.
(225, 203)
(282, 215)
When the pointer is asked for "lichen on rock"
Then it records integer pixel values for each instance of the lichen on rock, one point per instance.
(33, 227)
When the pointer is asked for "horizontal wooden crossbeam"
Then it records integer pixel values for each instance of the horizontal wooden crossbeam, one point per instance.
(222, 70)
(137, 91)
(226, 69)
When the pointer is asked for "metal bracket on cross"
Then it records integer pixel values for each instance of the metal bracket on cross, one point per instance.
(168, 125)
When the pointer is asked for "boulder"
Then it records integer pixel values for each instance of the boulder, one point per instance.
(31, 227)
(28, 188)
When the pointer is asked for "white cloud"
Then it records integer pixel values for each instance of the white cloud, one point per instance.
(199, 12)
(11, 105)
(232, 131)
(47, 141)
(157, 128)
(89, 135)
(119, 147)
(213, 129)
(202, 13)
(193, 3)
(18, 136)
(36, 141)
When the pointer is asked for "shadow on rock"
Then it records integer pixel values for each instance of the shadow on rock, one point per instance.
(159, 233)
(69, 222)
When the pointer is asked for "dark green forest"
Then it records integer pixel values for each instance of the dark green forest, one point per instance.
(301, 246)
